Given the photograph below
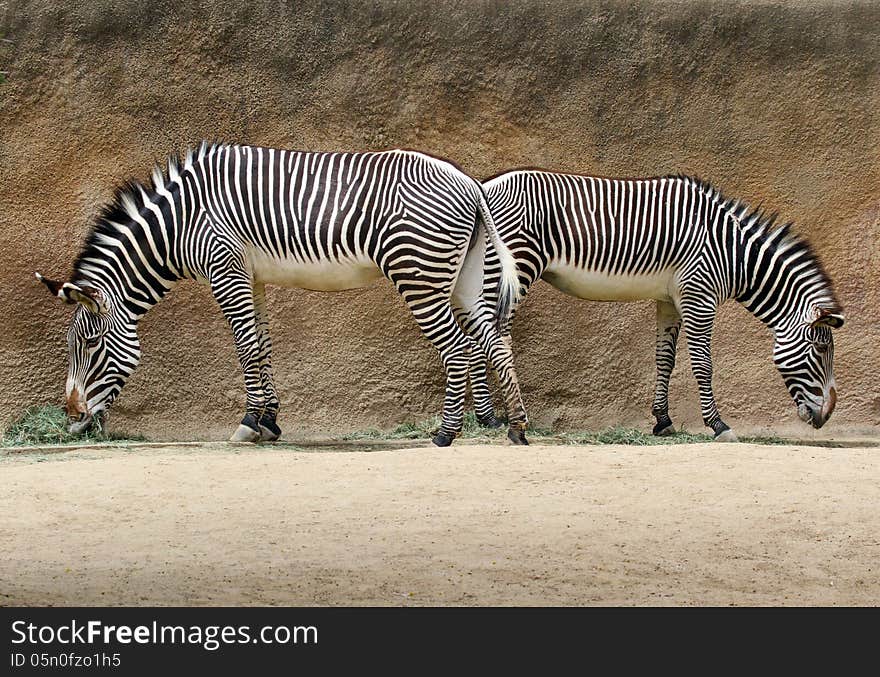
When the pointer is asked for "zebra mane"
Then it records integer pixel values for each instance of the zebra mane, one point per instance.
(761, 228)
(129, 199)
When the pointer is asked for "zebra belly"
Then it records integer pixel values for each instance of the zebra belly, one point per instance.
(597, 286)
(331, 275)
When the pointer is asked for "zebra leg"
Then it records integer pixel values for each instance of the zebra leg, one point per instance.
(455, 356)
(269, 430)
(668, 326)
(501, 357)
(484, 410)
(698, 328)
(479, 375)
(433, 313)
(479, 323)
(234, 293)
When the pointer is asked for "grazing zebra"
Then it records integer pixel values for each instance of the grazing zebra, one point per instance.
(678, 241)
(241, 217)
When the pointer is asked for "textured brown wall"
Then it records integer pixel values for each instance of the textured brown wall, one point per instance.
(774, 103)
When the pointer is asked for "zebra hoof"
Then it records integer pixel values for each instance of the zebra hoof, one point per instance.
(245, 434)
(517, 436)
(442, 439)
(490, 421)
(269, 430)
(664, 429)
(726, 436)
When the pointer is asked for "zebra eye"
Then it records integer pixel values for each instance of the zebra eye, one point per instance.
(821, 345)
(92, 341)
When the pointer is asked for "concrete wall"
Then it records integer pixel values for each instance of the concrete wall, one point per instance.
(775, 103)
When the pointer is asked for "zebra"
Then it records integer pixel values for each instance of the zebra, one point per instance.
(679, 241)
(239, 217)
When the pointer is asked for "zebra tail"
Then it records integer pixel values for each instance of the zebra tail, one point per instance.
(508, 281)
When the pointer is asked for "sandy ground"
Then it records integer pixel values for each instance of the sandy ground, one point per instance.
(471, 525)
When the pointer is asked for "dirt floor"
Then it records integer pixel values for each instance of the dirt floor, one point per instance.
(218, 524)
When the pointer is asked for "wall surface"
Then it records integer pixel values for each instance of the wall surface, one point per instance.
(774, 102)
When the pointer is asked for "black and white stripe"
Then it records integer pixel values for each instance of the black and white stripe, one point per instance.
(241, 217)
(679, 241)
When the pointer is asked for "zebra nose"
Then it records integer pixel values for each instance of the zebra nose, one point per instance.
(76, 404)
(829, 403)
(820, 415)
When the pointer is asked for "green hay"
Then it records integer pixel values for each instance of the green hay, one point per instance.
(47, 424)
(616, 435)
(632, 436)
(427, 428)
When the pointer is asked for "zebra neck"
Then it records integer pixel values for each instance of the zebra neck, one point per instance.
(780, 279)
(136, 260)
(132, 283)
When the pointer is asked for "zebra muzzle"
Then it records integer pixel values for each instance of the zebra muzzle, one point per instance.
(815, 416)
(804, 412)
(78, 425)
(84, 422)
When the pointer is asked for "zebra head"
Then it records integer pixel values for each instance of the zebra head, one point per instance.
(803, 354)
(102, 347)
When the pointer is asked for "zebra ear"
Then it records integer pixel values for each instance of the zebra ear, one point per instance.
(828, 318)
(71, 293)
(53, 286)
(90, 297)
